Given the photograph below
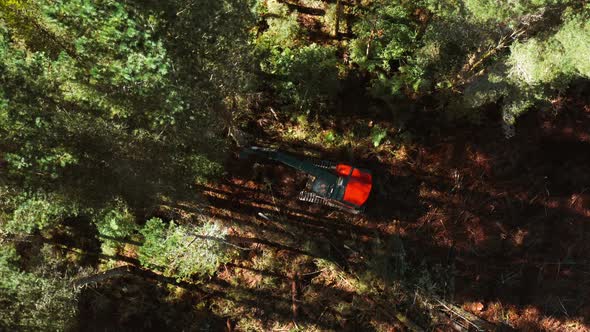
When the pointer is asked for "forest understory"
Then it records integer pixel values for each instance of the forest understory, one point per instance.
(500, 229)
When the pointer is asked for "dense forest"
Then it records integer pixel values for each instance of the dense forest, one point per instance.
(124, 205)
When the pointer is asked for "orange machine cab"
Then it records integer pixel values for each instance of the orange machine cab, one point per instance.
(358, 186)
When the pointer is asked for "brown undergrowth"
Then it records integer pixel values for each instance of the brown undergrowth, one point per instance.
(498, 227)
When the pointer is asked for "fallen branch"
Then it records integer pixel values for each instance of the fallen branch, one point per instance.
(112, 273)
(294, 295)
(472, 320)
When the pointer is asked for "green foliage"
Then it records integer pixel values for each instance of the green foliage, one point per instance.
(539, 66)
(114, 223)
(113, 102)
(115, 220)
(283, 29)
(513, 13)
(574, 38)
(378, 134)
(121, 51)
(449, 47)
(385, 35)
(467, 53)
(184, 251)
(330, 136)
(209, 46)
(34, 301)
(204, 168)
(557, 59)
(306, 77)
(535, 62)
(107, 106)
(464, 52)
(8, 257)
(329, 18)
(32, 211)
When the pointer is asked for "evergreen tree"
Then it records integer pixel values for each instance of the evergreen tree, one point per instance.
(40, 300)
(116, 99)
(183, 251)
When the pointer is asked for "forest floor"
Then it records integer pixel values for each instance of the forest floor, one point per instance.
(500, 227)
(497, 227)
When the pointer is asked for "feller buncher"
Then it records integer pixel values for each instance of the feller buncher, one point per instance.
(337, 185)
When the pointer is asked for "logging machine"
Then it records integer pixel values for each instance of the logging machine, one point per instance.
(337, 185)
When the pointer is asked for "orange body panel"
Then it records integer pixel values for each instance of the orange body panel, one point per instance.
(359, 184)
